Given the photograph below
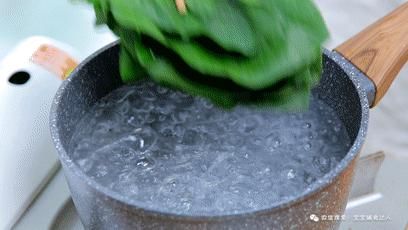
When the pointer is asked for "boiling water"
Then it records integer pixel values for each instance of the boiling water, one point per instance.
(171, 152)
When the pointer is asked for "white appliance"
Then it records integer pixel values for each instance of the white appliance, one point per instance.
(28, 81)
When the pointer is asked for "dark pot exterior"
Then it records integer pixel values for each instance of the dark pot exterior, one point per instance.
(100, 208)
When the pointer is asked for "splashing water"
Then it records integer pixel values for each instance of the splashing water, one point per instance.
(171, 152)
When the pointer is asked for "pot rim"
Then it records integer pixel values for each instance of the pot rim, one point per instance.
(320, 184)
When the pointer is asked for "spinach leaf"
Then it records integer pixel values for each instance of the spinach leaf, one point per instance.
(255, 52)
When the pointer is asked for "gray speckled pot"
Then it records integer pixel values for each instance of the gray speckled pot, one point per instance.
(101, 208)
(347, 90)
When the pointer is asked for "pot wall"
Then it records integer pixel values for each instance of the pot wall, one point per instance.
(99, 208)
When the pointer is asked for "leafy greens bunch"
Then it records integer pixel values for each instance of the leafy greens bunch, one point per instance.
(262, 52)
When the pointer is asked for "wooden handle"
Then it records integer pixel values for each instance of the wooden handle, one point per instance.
(381, 50)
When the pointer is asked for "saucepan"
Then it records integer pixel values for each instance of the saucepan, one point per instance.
(356, 76)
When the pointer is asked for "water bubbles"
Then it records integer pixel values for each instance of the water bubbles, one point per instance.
(124, 108)
(185, 204)
(148, 95)
(142, 162)
(180, 116)
(162, 90)
(167, 131)
(131, 119)
(307, 125)
(123, 96)
(257, 141)
(234, 189)
(307, 146)
(308, 179)
(321, 163)
(208, 104)
(273, 141)
(191, 137)
(169, 185)
(85, 164)
(101, 170)
(145, 163)
(248, 125)
(133, 189)
(291, 174)
(148, 118)
(132, 138)
(264, 172)
(231, 119)
(162, 117)
(172, 152)
(277, 143)
(204, 167)
(323, 131)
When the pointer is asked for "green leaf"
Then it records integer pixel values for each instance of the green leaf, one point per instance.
(130, 70)
(129, 16)
(292, 95)
(254, 52)
(226, 24)
(271, 65)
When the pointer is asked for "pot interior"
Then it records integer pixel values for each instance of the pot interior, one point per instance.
(99, 75)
